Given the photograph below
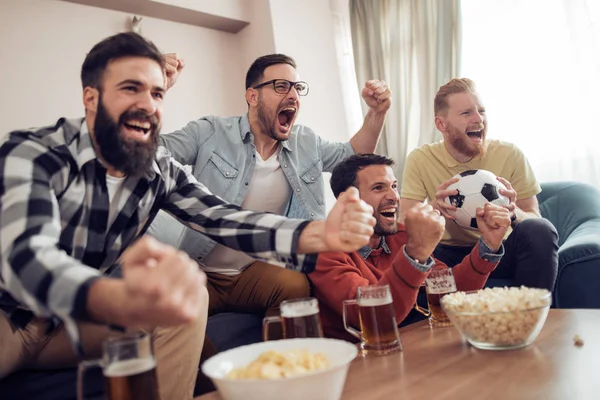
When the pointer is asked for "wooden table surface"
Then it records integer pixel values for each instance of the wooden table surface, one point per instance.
(438, 364)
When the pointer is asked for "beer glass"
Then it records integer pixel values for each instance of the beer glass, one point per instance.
(378, 327)
(299, 317)
(128, 367)
(439, 283)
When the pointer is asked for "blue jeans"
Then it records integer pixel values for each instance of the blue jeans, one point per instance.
(530, 255)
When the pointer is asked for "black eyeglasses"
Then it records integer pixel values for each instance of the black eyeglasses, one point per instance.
(283, 86)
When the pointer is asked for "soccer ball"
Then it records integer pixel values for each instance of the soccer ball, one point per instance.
(475, 188)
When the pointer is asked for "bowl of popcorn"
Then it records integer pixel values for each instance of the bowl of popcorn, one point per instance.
(290, 369)
(498, 318)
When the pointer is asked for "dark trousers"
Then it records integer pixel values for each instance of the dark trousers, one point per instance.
(530, 255)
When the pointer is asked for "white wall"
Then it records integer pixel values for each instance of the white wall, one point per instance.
(44, 42)
(257, 39)
(305, 32)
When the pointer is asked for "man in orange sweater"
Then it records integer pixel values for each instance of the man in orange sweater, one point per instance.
(397, 255)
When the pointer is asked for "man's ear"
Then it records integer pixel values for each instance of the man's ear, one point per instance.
(91, 96)
(251, 96)
(440, 124)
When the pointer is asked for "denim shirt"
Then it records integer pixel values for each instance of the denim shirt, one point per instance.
(222, 155)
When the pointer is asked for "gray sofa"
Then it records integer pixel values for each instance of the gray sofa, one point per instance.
(574, 209)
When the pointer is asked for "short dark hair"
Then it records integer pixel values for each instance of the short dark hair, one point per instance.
(344, 174)
(257, 69)
(128, 44)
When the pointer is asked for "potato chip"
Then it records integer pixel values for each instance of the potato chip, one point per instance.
(275, 365)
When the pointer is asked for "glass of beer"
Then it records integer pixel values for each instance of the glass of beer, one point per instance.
(439, 283)
(378, 327)
(299, 317)
(128, 367)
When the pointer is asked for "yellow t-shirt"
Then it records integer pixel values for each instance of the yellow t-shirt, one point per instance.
(430, 165)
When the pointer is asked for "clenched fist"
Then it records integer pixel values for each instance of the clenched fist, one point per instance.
(493, 221)
(164, 286)
(173, 67)
(349, 225)
(424, 227)
(377, 95)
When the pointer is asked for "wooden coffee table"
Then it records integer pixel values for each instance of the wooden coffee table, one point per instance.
(437, 363)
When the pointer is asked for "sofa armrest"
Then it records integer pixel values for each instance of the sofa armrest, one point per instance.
(582, 243)
(579, 268)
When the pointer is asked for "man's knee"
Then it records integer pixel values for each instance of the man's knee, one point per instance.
(200, 322)
(195, 328)
(280, 282)
(295, 286)
(537, 230)
(178, 351)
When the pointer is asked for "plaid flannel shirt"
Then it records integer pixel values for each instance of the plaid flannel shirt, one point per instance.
(54, 234)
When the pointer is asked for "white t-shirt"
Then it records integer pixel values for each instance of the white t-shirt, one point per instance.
(115, 197)
(269, 191)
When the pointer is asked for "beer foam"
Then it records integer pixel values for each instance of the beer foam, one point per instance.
(374, 301)
(129, 367)
(299, 309)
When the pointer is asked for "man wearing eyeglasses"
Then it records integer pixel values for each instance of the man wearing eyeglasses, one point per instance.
(261, 161)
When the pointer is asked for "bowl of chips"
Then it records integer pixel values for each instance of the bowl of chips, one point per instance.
(290, 369)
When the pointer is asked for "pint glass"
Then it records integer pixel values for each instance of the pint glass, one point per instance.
(378, 327)
(299, 317)
(439, 283)
(128, 367)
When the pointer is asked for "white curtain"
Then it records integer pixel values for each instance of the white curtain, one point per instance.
(415, 47)
(536, 64)
(340, 11)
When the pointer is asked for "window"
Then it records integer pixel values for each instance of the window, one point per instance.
(536, 64)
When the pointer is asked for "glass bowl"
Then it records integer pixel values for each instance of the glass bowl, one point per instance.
(498, 318)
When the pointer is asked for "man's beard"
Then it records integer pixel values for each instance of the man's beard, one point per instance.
(464, 145)
(268, 125)
(378, 229)
(132, 157)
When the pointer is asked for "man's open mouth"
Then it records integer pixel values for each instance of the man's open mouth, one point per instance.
(475, 135)
(389, 213)
(138, 128)
(286, 116)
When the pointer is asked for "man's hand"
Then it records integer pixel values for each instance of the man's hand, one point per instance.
(349, 225)
(440, 195)
(424, 227)
(493, 221)
(164, 285)
(377, 95)
(173, 67)
(510, 193)
(161, 286)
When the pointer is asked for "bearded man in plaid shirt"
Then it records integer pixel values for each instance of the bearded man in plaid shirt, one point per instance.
(76, 199)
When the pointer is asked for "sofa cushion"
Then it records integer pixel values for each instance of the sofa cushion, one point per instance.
(229, 330)
(574, 209)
